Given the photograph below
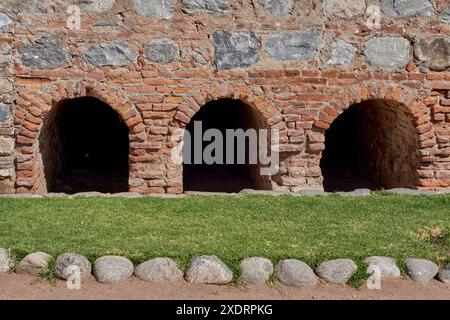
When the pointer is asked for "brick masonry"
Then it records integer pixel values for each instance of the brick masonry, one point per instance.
(300, 64)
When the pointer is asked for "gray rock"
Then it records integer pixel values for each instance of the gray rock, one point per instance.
(342, 53)
(295, 273)
(433, 53)
(160, 9)
(293, 46)
(66, 262)
(97, 6)
(400, 9)
(409, 192)
(388, 52)
(344, 9)
(213, 194)
(162, 51)
(235, 50)
(55, 195)
(337, 271)
(5, 113)
(278, 7)
(159, 270)
(446, 16)
(444, 275)
(356, 193)
(421, 270)
(5, 20)
(310, 193)
(385, 265)
(208, 270)
(256, 270)
(112, 269)
(89, 194)
(263, 192)
(6, 262)
(44, 53)
(216, 7)
(33, 264)
(130, 195)
(110, 54)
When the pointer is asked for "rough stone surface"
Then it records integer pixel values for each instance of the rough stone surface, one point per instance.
(162, 51)
(295, 273)
(130, 195)
(310, 193)
(263, 192)
(112, 269)
(6, 146)
(406, 8)
(44, 53)
(278, 7)
(356, 193)
(385, 265)
(159, 270)
(5, 20)
(33, 264)
(444, 275)
(421, 270)
(345, 9)
(5, 261)
(409, 192)
(388, 52)
(446, 15)
(160, 9)
(97, 6)
(110, 54)
(256, 269)
(293, 46)
(66, 261)
(337, 271)
(433, 53)
(208, 270)
(235, 50)
(342, 53)
(216, 7)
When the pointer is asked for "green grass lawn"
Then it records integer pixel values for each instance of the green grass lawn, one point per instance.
(309, 229)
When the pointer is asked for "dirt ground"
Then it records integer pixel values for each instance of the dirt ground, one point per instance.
(13, 287)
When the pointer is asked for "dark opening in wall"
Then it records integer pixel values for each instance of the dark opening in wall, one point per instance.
(84, 145)
(224, 177)
(374, 145)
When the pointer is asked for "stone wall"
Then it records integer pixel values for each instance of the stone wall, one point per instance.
(156, 62)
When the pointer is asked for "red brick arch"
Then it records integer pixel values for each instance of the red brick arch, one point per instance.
(31, 109)
(407, 98)
(197, 99)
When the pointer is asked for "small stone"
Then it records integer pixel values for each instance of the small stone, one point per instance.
(310, 193)
(342, 53)
(112, 269)
(159, 270)
(400, 9)
(97, 6)
(88, 194)
(216, 7)
(444, 275)
(5, 20)
(273, 193)
(110, 54)
(33, 264)
(256, 270)
(446, 15)
(129, 195)
(44, 53)
(160, 9)
(409, 192)
(66, 262)
(433, 53)
(278, 7)
(235, 50)
(6, 262)
(345, 9)
(6, 146)
(162, 51)
(388, 52)
(208, 270)
(337, 271)
(295, 273)
(385, 265)
(293, 46)
(421, 270)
